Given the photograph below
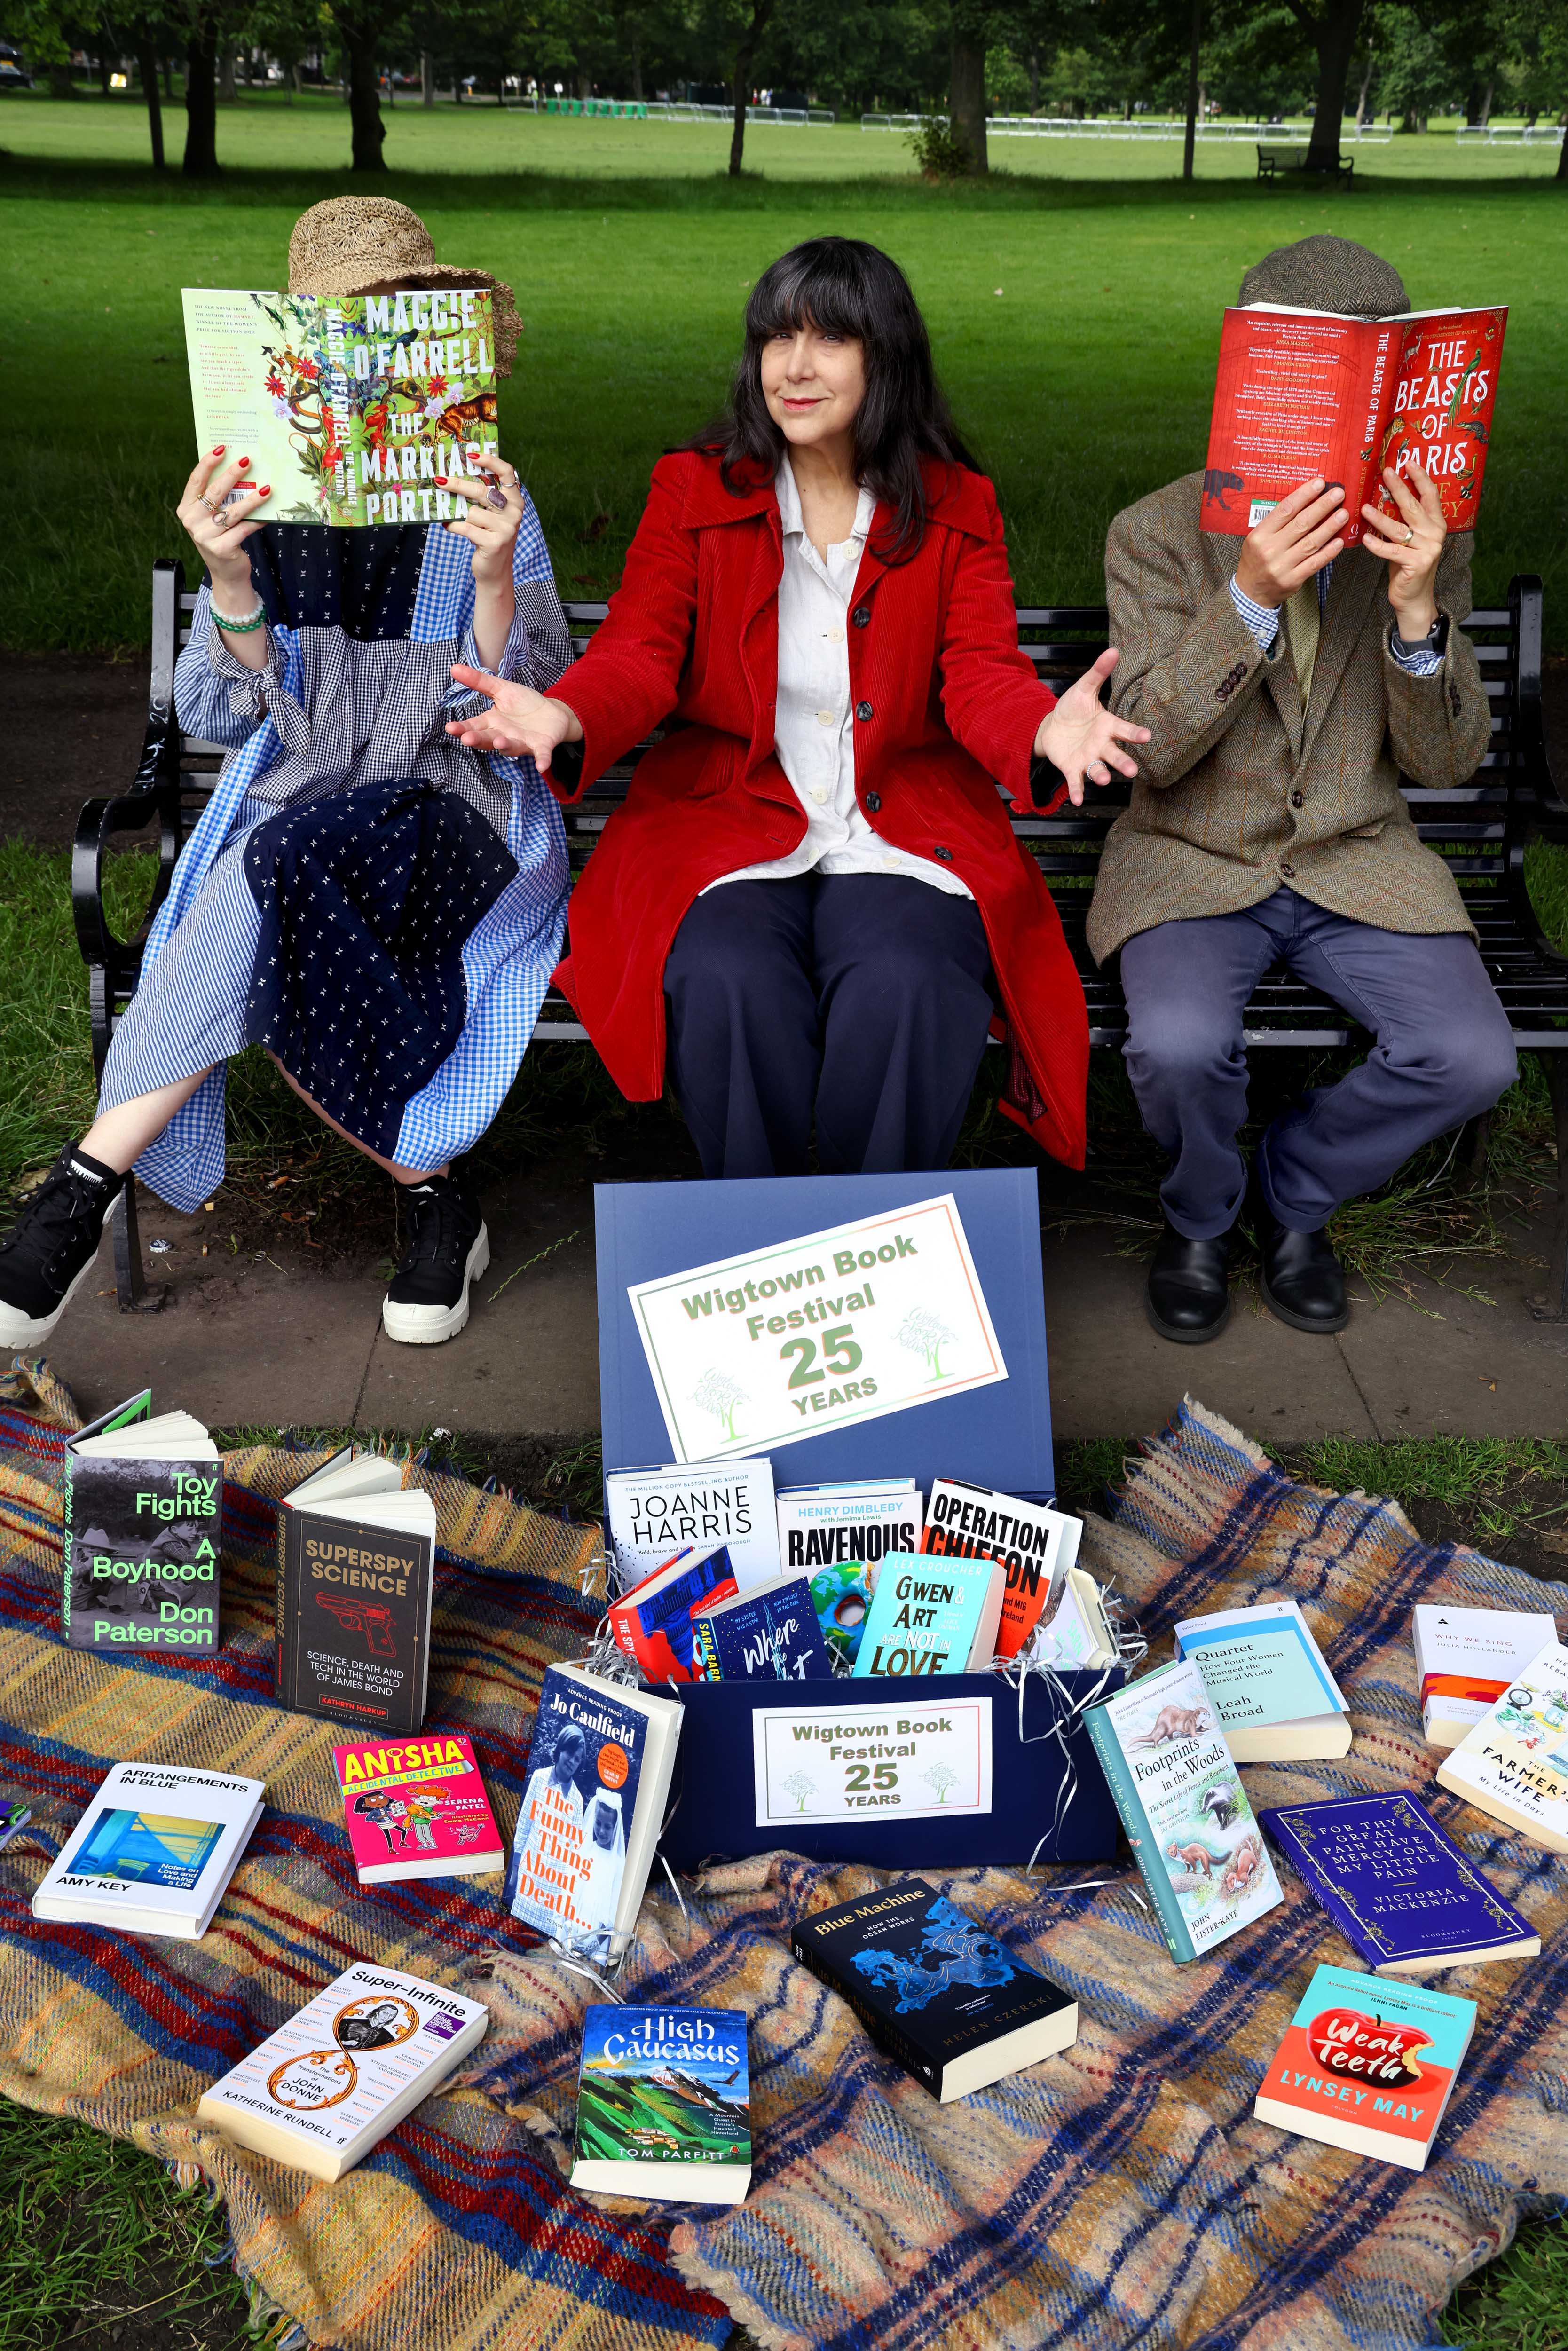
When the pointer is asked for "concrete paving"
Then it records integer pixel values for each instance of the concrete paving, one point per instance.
(264, 1341)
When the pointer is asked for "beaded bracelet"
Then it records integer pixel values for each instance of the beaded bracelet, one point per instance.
(240, 628)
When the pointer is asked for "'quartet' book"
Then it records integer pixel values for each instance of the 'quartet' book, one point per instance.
(1513, 1763)
(934, 1988)
(1395, 1885)
(1264, 1674)
(143, 1503)
(330, 2084)
(1035, 1544)
(153, 1852)
(356, 1560)
(1174, 1780)
(1466, 1658)
(417, 1808)
(769, 1634)
(653, 1513)
(664, 2105)
(1368, 2065)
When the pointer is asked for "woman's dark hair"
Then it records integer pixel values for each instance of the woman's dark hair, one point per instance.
(843, 287)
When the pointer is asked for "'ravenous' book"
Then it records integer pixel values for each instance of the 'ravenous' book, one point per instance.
(356, 1554)
(143, 1498)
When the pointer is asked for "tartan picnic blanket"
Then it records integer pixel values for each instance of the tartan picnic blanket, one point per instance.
(1119, 2195)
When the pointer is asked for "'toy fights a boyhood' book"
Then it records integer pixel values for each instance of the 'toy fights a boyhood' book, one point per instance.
(664, 2104)
(1174, 1782)
(1368, 2065)
(1306, 392)
(143, 1498)
(349, 405)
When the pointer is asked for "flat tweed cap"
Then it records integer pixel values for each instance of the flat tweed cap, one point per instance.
(352, 243)
(1324, 273)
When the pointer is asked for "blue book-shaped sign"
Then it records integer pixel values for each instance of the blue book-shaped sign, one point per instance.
(1395, 1885)
(767, 1634)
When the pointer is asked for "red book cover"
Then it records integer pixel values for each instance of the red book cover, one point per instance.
(1304, 392)
(652, 1622)
(416, 1808)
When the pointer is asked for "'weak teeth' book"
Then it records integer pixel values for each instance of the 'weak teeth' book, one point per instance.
(1466, 1658)
(348, 405)
(934, 1987)
(1035, 1544)
(664, 2105)
(655, 1512)
(1397, 1886)
(1301, 394)
(153, 1852)
(143, 1503)
(932, 1616)
(1174, 1780)
(327, 2086)
(417, 1808)
(598, 1781)
(356, 1560)
(1275, 1697)
(1514, 1762)
(1368, 2065)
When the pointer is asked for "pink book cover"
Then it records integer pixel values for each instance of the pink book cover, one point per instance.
(416, 1808)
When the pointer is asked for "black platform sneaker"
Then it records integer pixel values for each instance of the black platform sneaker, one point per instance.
(448, 1247)
(46, 1258)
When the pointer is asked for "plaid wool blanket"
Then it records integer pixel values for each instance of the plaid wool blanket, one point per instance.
(1120, 2195)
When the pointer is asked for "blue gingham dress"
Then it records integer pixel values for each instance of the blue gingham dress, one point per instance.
(333, 710)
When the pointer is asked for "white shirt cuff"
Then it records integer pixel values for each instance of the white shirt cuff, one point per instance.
(1262, 622)
(1425, 661)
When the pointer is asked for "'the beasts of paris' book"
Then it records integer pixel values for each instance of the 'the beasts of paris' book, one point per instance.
(352, 406)
(934, 1987)
(1397, 1886)
(153, 1852)
(143, 1499)
(345, 2069)
(1306, 392)
(664, 2105)
(1368, 2065)
(1514, 1762)
(417, 1808)
(597, 1776)
(1174, 1780)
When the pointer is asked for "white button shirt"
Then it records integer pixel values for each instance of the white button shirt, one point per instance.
(814, 718)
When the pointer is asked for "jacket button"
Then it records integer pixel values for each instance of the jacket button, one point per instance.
(862, 616)
(873, 802)
(944, 854)
(1298, 799)
(1289, 871)
(862, 711)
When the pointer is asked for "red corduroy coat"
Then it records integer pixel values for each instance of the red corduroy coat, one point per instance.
(947, 708)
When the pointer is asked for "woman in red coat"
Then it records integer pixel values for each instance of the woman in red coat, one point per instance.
(812, 891)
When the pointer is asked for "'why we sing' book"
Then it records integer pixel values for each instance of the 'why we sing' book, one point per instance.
(1466, 1658)
(1513, 1763)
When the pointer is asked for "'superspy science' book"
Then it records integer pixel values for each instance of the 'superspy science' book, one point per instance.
(664, 2104)
(356, 1556)
(1174, 1782)
(143, 1499)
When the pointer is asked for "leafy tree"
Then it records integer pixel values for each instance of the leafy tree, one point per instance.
(1332, 27)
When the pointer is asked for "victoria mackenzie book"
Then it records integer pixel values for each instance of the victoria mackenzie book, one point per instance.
(143, 1499)
(1397, 1889)
(356, 1556)
(935, 1989)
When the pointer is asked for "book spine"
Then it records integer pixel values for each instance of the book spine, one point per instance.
(69, 1497)
(284, 1590)
(710, 1664)
(880, 2029)
(1145, 1846)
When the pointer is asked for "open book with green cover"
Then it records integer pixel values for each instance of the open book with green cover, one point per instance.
(349, 405)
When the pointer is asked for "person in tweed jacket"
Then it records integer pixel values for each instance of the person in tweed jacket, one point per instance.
(1288, 682)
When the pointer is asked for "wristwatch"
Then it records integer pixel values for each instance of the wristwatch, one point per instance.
(1436, 639)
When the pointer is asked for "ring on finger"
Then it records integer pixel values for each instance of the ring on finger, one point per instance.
(495, 496)
(211, 505)
(1409, 533)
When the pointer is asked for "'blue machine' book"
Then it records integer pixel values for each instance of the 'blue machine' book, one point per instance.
(1397, 1886)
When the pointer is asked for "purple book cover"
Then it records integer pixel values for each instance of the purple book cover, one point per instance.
(770, 1636)
(1393, 1882)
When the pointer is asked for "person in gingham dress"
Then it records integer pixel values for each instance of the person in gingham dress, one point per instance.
(378, 906)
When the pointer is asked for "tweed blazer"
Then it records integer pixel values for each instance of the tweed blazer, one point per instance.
(1240, 791)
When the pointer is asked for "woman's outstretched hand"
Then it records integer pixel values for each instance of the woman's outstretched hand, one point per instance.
(519, 722)
(1082, 738)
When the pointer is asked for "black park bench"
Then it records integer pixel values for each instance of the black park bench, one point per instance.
(1275, 163)
(1481, 831)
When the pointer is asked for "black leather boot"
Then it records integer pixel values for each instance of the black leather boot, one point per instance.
(1303, 1281)
(1188, 1292)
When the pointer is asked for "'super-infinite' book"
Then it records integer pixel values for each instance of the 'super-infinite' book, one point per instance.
(417, 1808)
(655, 1512)
(1395, 1885)
(143, 1503)
(155, 1851)
(934, 1987)
(356, 1566)
(664, 2104)
(345, 2069)
(1368, 2064)
(1190, 1822)
(348, 405)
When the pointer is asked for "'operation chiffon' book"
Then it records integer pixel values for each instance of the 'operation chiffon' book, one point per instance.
(1395, 1885)
(653, 1513)
(1035, 1544)
(143, 1499)
(1368, 2065)
(1264, 1674)
(346, 2069)
(153, 1852)
(1514, 1762)
(664, 2105)
(1174, 1780)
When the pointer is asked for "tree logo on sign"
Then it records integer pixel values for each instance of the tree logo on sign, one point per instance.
(923, 1333)
(716, 1393)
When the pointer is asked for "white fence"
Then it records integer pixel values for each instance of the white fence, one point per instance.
(680, 110)
(1102, 126)
(1513, 135)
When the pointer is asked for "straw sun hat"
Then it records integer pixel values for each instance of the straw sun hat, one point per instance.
(352, 243)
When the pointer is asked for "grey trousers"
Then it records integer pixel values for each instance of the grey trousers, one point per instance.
(1443, 1052)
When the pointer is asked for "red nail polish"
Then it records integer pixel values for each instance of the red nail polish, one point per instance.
(267, 489)
(243, 463)
(219, 450)
(441, 481)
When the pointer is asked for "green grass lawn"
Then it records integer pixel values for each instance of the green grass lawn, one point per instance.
(1074, 303)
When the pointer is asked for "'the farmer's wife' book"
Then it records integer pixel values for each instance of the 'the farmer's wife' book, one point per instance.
(349, 405)
(1306, 392)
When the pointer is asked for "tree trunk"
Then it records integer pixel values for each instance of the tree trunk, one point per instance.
(1486, 102)
(1562, 160)
(201, 158)
(637, 62)
(1034, 82)
(426, 79)
(226, 92)
(147, 61)
(102, 69)
(1190, 141)
(1366, 86)
(745, 57)
(967, 102)
(1335, 32)
(366, 128)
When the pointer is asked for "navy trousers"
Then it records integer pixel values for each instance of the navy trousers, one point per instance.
(862, 999)
(1443, 1052)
